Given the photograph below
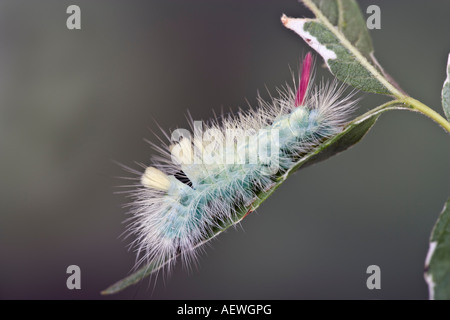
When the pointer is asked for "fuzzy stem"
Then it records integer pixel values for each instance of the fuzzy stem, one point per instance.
(418, 106)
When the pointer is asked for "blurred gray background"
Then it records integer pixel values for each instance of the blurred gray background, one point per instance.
(72, 102)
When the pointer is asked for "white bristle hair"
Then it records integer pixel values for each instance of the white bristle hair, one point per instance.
(152, 207)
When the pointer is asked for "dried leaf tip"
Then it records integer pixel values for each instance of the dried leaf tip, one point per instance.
(284, 19)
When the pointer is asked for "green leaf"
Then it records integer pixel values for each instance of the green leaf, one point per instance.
(446, 92)
(347, 16)
(339, 35)
(437, 264)
(352, 133)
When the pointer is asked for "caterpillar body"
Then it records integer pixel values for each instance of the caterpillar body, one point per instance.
(190, 191)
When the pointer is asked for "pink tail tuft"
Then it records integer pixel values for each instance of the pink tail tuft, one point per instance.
(304, 80)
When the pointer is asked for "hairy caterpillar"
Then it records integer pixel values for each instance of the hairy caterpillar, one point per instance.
(199, 183)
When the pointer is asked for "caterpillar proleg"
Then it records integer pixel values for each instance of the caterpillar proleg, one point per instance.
(203, 179)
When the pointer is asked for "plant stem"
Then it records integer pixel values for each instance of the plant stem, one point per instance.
(418, 106)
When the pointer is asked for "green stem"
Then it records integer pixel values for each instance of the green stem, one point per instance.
(418, 106)
(415, 105)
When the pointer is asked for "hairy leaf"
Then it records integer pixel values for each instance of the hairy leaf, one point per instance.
(437, 264)
(339, 35)
(347, 17)
(446, 92)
